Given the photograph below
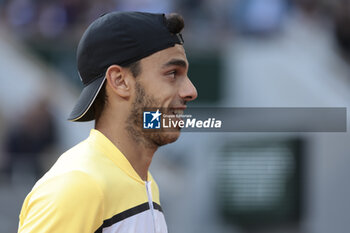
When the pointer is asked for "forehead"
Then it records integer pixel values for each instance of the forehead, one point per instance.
(162, 57)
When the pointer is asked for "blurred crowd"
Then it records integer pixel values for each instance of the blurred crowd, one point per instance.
(32, 135)
(63, 21)
(54, 19)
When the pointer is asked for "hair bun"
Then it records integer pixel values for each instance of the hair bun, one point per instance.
(174, 22)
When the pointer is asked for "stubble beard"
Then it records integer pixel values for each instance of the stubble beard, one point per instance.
(134, 122)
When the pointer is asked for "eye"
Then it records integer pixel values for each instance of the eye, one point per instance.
(171, 74)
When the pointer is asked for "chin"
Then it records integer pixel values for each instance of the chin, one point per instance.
(164, 138)
(173, 136)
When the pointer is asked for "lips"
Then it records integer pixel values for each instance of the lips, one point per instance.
(178, 110)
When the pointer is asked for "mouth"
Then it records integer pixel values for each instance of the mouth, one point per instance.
(178, 110)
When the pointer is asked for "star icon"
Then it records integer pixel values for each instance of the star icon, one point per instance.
(156, 115)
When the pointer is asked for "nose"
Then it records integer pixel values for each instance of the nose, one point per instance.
(188, 91)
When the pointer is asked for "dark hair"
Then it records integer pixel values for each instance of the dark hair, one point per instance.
(175, 23)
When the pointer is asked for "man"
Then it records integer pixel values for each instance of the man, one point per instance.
(127, 61)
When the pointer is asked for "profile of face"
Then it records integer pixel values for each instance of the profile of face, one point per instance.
(162, 83)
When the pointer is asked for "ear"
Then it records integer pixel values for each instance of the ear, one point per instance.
(118, 80)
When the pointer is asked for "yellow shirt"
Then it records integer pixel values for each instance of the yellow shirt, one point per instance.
(92, 188)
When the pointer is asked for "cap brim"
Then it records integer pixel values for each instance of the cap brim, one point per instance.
(82, 109)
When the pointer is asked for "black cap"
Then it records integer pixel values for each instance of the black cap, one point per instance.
(119, 38)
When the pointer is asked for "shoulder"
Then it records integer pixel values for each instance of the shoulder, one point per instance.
(72, 200)
(82, 157)
(71, 187)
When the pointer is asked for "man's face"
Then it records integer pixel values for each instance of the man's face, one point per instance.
(162, 83)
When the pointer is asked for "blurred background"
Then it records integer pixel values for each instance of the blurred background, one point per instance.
(242, 53)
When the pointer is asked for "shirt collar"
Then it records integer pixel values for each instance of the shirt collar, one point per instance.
(103, 144)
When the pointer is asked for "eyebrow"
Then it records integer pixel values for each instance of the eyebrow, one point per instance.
(176, 62)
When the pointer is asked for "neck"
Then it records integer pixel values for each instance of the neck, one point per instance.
(136, 152)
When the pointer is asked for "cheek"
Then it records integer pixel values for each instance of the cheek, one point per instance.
(164, 91)
(161, 88)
